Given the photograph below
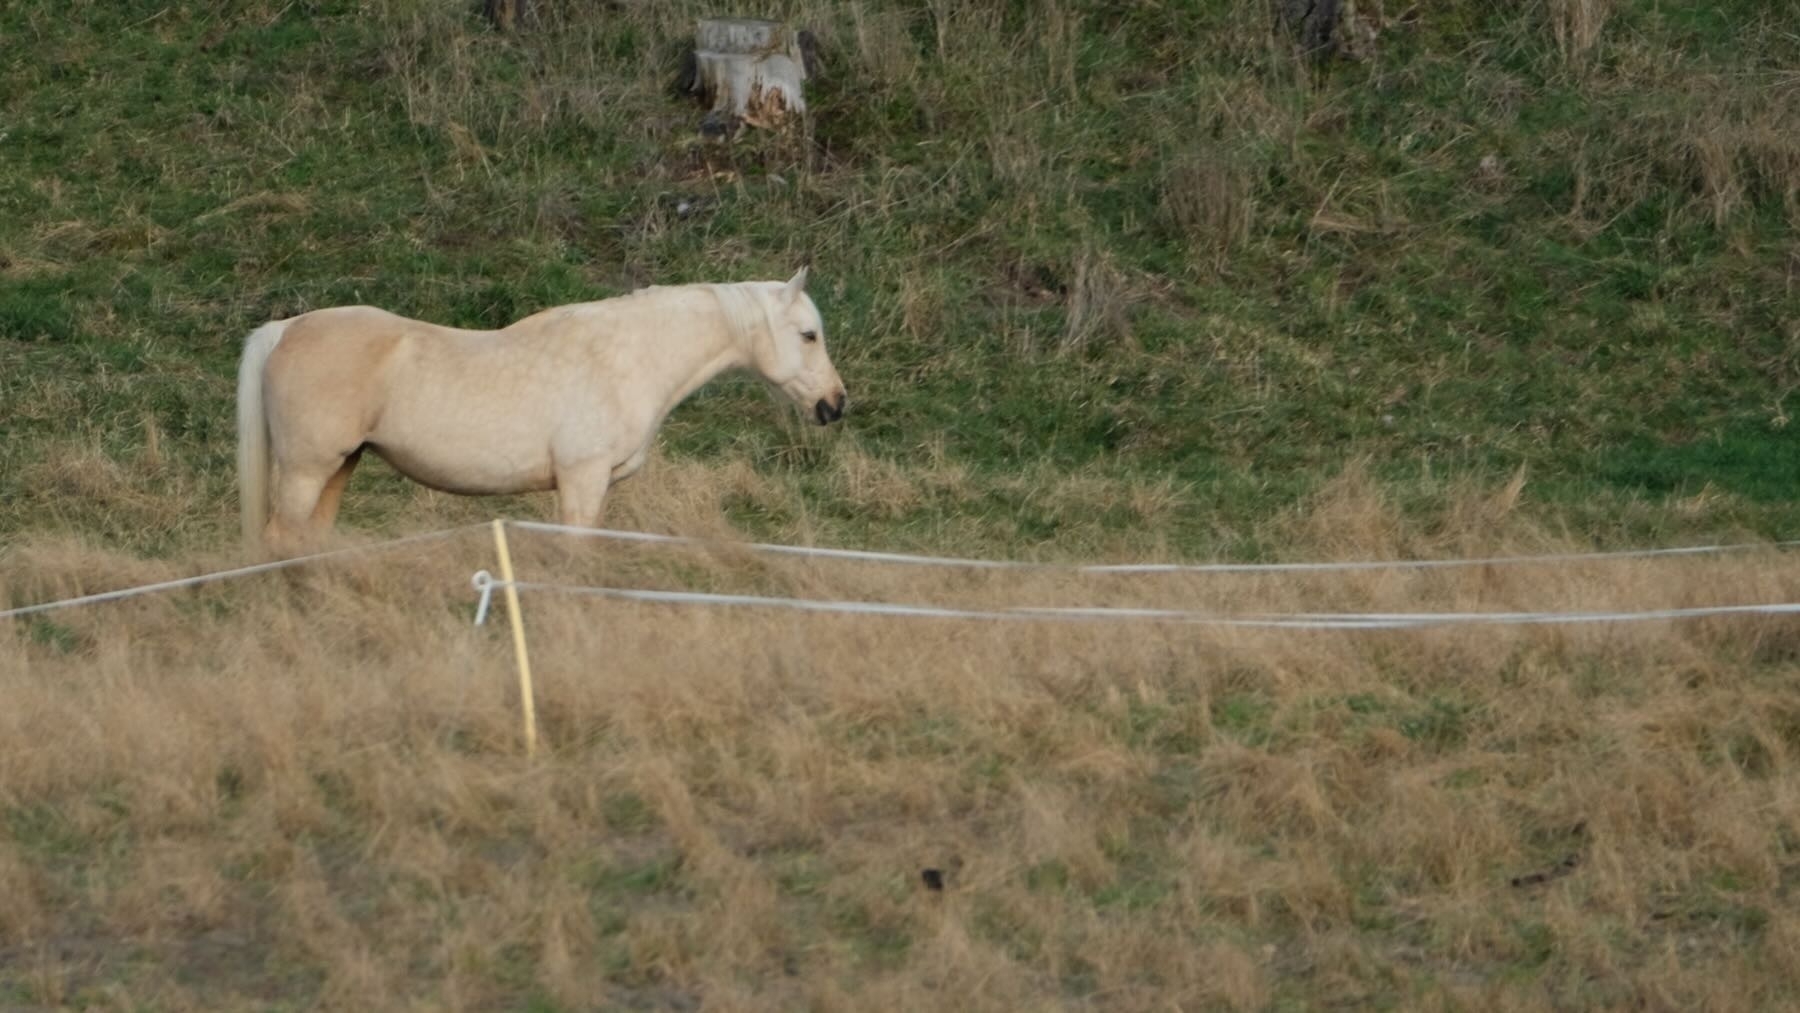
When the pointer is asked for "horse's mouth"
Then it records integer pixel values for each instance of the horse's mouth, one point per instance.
(828, 412)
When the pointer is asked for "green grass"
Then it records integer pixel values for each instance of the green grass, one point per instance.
(1283, 270)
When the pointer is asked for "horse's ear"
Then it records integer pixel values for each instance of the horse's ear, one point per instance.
(795, 286)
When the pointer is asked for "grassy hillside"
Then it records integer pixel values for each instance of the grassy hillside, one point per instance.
(1120, 279)
(1140, 244)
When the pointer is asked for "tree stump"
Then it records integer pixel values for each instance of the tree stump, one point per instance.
(1332, 28)
(1313, 23)
(509, 14)
(748, 72)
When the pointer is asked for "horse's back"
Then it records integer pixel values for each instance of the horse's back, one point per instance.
(359, 340)
(369, 326)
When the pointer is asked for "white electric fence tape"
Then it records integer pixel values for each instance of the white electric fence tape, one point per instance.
(242, 571)
(1007, 564)
(485, 583)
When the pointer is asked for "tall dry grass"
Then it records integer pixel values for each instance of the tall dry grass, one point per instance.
(309, 788)
(1576, 27)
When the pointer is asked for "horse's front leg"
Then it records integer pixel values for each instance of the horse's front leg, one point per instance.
(580, 490)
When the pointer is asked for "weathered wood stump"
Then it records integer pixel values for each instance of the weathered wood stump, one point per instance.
(509, 14)
(1313, 23)
(748, 72)
(1332, 28)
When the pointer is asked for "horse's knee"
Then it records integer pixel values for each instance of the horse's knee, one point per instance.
(579, 496)
(581, 513)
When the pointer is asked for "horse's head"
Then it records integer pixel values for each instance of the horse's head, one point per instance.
(793, 357)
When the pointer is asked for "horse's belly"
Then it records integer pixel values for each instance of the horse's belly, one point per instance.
(469, 465)
(469, 419)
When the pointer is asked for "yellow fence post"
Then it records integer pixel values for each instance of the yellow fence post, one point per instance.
(527, 707)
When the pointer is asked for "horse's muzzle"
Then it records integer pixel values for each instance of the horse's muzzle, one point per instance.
(828, 412)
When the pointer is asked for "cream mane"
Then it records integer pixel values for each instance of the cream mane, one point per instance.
(744, 313)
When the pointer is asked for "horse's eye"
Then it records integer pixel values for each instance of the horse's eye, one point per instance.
(810, 335)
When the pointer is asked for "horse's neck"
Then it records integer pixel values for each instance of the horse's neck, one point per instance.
(697, 336)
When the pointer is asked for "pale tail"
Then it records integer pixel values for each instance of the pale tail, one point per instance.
(253, 431)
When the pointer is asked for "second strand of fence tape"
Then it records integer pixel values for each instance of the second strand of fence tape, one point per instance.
(485, 584)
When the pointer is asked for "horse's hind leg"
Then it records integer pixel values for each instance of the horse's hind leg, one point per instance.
(325, 511)
(299, 496)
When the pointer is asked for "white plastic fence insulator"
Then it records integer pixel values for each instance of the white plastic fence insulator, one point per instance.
(483, 582)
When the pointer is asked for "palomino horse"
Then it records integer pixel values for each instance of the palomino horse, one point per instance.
(567, 399)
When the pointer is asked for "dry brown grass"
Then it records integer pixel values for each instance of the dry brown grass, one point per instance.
(1208, 198)
(308, 787)
(1099, 304)
(1576, 27)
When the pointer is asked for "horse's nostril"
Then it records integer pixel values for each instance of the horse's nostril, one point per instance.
(843, 402)
(828, 412)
